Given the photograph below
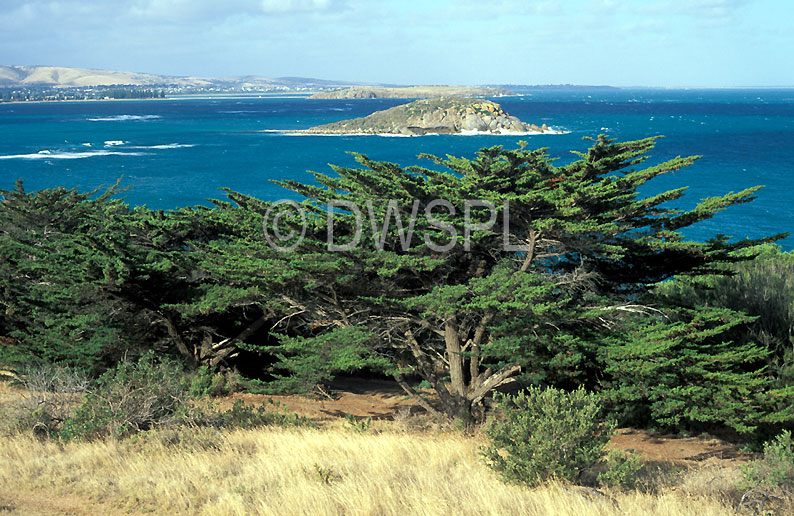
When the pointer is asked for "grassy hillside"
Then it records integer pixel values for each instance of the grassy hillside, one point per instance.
(319, 472)
(399, 467)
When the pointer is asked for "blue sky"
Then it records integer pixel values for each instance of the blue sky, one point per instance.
(689, 43)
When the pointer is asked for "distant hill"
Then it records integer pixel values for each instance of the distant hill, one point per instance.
(519, 87)
(62, 77)
(411, 92)
(81, 77)
(445, 115)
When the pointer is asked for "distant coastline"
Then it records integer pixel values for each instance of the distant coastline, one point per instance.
(220, 96)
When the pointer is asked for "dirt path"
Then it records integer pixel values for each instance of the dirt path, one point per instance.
(37, 504)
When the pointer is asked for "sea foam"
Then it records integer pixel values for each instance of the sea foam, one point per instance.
(164, 146)
(46, 154)
(123, 118)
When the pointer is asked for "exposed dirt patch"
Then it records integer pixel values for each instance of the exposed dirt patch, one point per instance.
(668, 448)
(381, 399)
(37, 504)
(378, 399)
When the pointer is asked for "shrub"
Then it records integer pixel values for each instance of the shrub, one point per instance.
(775, 470)
(204, 383)
(622, 469)
(242, 416)
(132, 397)
(546, 433)
(358, 424)
(50, 394)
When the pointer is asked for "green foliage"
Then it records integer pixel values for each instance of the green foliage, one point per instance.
(358, 424)
(684, 371)
(132, 397)
(64, 257)
(775, 469)
(243, 416)
(152, 394)
(85, 280)
(547, 433)
(337, 351)
(205, 383)
(622, 469)
(763, 288)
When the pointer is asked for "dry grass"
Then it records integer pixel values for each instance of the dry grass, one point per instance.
(297, 471)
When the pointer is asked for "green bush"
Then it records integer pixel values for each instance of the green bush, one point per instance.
(546, 433)
(243, 416)
(358, 424)
(134, 396)
(204, 382)
(775, 470)
(622, 469)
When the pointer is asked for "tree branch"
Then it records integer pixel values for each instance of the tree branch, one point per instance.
(417, 397)
(493, 382)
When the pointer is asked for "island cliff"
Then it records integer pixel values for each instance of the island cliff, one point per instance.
(446, 115)
(411, 92)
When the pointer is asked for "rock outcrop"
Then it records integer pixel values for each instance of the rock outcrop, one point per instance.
(446, 115)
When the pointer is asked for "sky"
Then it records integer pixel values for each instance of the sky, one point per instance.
(664, 43)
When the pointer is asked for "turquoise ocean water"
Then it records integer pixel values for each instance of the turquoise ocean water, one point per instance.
(176, 153)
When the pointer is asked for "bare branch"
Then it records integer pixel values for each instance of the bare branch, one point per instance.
(417, 397)
(493, 382)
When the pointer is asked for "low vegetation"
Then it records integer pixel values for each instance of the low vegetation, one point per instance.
(330, 471)
(547, 434)
(131, 398)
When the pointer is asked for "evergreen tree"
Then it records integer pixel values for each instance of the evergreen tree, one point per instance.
(65, 259)
(85, 280)
(469, 317)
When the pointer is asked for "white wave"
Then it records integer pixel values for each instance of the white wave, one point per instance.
(123, 118)
(114, 143)
(164, 146)
(45, 154)
(86, 145)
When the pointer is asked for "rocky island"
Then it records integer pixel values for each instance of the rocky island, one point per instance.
(411, 92)
(446, 115)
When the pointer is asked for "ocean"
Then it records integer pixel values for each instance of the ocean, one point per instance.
(180, 152)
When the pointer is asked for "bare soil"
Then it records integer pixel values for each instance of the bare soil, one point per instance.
(377, 399)
(381, 399)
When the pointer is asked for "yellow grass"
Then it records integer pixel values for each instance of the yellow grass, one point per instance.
(282, 472)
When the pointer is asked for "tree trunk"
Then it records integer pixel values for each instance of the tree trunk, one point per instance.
(452, 342)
